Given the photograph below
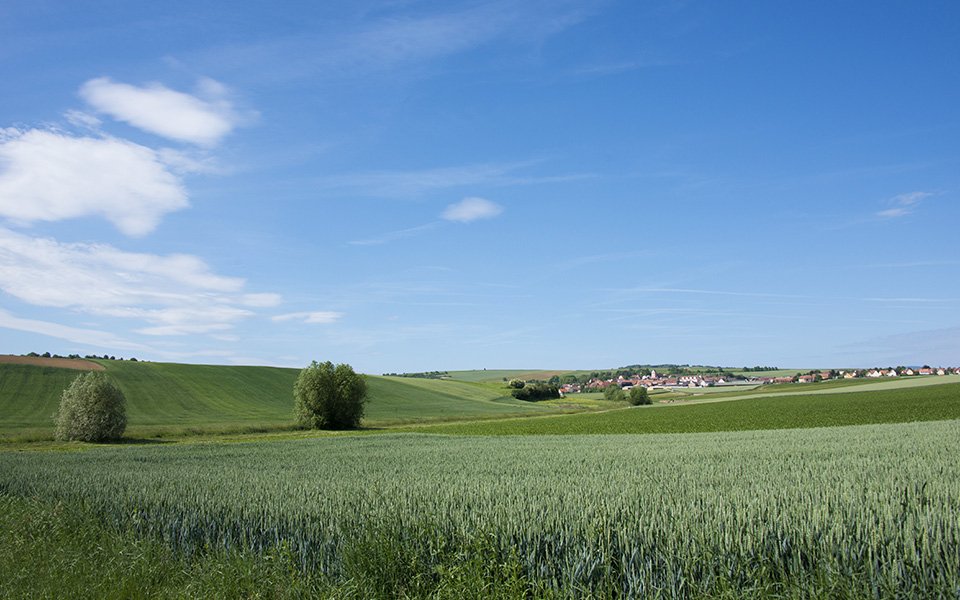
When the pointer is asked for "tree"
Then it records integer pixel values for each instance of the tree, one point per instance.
(638, 395)
(535, 392)
(329, 397)
(92, 409)
(517, 384)
(614, 393)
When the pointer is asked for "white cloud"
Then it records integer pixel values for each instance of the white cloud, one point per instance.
(65, 332)
(903, 204)
(261, 300)
(50, 176)
(170, 295)
(471, 209)
(322, 317)
(165, 112)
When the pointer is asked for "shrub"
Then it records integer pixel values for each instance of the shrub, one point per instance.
(517, 384)
(92, 409)
(329, 397)
(638, 396)
(536, 391)
(614, 393)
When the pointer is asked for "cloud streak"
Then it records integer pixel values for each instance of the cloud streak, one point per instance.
(71, 334)
(393, 236)
(412, 183)
(903, 205)
(320, 317)
(166, 295)
(398, 42)
(168, 113)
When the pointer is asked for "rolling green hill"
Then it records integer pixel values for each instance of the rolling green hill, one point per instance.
(171, 398)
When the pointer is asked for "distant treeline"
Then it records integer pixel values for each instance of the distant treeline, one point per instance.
(758, 368)
(76, 356)
(424, 375)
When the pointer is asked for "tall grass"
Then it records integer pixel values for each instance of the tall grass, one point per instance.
(837, 512)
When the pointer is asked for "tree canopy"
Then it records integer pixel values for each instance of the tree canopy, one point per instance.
(329, 397)
(92, 409)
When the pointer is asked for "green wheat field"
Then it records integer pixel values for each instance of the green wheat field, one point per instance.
(455, 490)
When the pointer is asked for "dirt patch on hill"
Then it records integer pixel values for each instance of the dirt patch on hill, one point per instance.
(59, 363)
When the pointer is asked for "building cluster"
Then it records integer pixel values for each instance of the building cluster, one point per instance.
(654, 380)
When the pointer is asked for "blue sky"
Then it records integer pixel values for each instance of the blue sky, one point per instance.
(407, 185)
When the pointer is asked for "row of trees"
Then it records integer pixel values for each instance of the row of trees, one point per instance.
(75, 356)
(423, 375)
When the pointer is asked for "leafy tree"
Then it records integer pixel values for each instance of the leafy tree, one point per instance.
(638, 395)
(329, 397)
(517, 384)
(92, 409)
(536, 391)
(614, 393)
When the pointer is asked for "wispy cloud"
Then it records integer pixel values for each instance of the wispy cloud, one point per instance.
(76, 335)
(618, 67)
(393, 236)
(51, 176)
(164, 295)
(670, 290)
(399, 42)
(471, 209)
(320, 317)
(903, 205)
(581, 261)
(165, 112)
(400, 184)
(466, 211)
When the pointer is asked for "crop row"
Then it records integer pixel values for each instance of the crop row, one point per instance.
(857, 511)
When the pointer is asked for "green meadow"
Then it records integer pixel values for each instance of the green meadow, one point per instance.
(782, 411)
(166, 399)
(454, 489)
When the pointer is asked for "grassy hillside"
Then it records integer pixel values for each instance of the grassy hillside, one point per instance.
(172, 398)
(498, 375)
(29, 394)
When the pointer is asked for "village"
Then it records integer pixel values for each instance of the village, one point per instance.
(657, 381)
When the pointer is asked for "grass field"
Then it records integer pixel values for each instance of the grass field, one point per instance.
(174, 399)
(865, 511)
(836, 386)
(839, 489)
(779, 411)
(497, 375)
